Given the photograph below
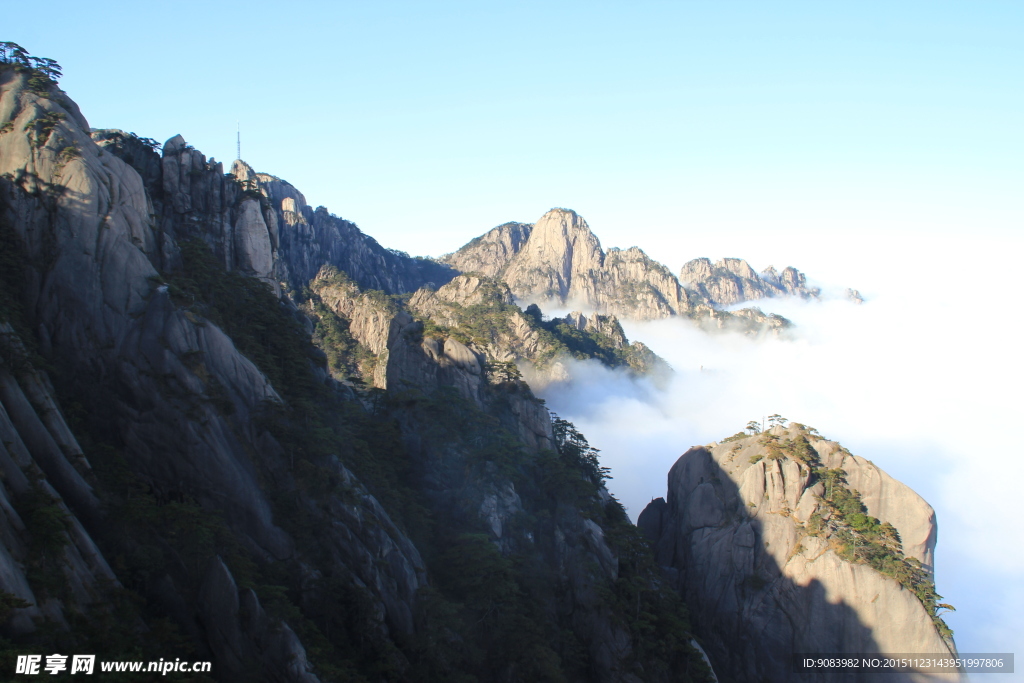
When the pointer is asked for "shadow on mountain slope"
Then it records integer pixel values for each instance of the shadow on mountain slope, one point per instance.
(716, 546)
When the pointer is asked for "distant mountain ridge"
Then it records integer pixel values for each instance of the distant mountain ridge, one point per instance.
(732, 281)
(560, 259)
(264, 227)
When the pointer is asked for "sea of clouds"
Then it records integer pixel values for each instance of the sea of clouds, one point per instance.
(923, 379)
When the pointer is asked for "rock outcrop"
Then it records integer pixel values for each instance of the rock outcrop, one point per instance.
(559, 260)
(776, 554)
(490, 253)
(311, 238)
(258, 223)
(732, 281)
(400, 354)
(607, 326)
(250, 645)
(506, 334)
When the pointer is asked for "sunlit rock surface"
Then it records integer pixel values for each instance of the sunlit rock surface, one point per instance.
(747, 539)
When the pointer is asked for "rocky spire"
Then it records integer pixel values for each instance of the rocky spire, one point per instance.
(558, 257)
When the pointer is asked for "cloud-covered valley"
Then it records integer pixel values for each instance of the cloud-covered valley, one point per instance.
(922, 379)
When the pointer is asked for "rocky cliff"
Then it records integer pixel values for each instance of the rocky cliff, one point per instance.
(732, 281)
(508, 334)
(187, 474)
(472, 331)
(784, 542)
(257, 223)
(490, 253)
(168, 406)
(559, 260)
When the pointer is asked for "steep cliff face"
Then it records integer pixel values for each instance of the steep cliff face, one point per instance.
(217, 494)
(507, 334)
(312, 238)
(560, 259)
(257, 223)
(170, 406)
(43, 541)
(468, 335)
(490, 253)
(732, 281)
(643, 289)
(786, 543)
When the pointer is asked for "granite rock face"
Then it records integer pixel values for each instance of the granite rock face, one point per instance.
(599, 324)
(181, 398)
(760, 557)
(732, 281)
(311, 238)
(35, 440)
(490, 253)
(406, 358)
(253, 247)
(412, 361)
(559, 261)
(539, 348)
(250, 645)
(256, 222)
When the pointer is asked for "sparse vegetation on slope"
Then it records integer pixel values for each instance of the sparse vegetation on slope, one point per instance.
(856, 535)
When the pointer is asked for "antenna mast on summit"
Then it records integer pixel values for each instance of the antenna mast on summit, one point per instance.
(238, 139)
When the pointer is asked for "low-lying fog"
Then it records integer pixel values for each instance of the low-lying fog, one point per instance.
(923, 379)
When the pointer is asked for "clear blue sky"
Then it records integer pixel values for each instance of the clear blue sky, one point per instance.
(719, 125)
(874, 144)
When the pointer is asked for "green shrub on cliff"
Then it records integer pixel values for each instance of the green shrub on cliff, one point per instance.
(860, 537)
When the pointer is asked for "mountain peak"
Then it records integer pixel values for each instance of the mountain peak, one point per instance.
(560, 246)
(242, 171)
(560, 210)
(174, 145)
(490, 253)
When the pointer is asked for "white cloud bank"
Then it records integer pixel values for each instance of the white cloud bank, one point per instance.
(924, 379)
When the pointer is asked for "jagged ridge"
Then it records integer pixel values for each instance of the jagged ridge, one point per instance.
(732, 281)
(560, 259)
